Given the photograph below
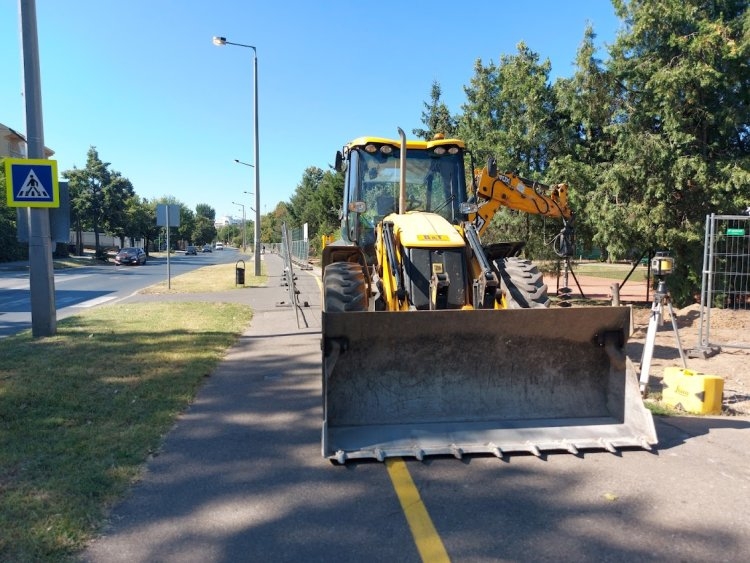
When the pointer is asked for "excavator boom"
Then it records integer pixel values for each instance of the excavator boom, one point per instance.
(496, 190)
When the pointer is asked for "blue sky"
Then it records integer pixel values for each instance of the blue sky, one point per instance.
(142, 82)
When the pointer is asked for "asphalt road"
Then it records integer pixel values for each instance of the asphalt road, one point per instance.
(80, 288)
(241, 478)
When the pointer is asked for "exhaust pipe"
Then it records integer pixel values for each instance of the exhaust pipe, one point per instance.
(402, 192)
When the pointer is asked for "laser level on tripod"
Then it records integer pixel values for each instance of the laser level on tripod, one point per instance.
(661, 265)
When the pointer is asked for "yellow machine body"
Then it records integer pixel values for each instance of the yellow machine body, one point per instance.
(436, 344)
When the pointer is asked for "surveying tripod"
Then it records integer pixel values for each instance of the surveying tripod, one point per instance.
(661, 296)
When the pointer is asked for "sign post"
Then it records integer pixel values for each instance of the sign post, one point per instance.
(168, 215)
(41, 272)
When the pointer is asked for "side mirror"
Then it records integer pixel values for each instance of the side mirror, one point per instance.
(339, 164)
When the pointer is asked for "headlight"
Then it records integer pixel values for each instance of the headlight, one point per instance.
(357, 206)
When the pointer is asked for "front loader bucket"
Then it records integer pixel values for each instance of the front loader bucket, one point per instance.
(422, 383)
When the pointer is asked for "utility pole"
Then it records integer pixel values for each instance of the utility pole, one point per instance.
(41, 272)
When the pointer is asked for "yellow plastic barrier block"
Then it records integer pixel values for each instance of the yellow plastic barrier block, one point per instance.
(691, 391)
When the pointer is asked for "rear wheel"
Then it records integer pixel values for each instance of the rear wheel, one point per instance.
(522, 284)
(344, 288)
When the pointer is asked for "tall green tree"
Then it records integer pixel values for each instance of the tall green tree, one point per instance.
(98, 197)
(682, 132)
(117, 196)
(205, 210)
(479, 122)
(317, 201)
(270, 224)
(436, 117)
(587, 106)
(526, 105)
(509, 115)
(205, 230)
(303, 206)
(118, 200)
(187, 224)
(142, 220)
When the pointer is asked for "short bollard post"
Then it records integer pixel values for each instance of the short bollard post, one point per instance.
(615, 290)
(239, 273)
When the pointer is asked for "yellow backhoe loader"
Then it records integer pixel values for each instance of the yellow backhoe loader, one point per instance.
(434, 344)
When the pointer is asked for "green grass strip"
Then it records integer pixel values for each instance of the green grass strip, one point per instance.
(81, 411)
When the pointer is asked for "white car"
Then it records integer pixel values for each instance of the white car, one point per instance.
(219, 246)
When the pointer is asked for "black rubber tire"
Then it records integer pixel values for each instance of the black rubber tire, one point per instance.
(344, 288)
(522, 283)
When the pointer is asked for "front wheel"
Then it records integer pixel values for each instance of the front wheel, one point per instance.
(344, 288)
(522, 284)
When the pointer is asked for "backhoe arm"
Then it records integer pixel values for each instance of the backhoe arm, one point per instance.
(508, 190)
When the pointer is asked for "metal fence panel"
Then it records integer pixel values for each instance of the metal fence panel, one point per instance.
(726, 274)
(299, 248)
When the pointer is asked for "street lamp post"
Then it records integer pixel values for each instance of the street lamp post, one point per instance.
(253, 210)
(255, 231)
(244, 229)
(220, 41)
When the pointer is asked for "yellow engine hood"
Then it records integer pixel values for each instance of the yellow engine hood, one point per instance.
(425, 230)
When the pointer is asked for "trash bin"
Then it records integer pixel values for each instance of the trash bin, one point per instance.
(239, 273)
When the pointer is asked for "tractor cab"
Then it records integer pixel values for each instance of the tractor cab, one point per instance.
(435, 182)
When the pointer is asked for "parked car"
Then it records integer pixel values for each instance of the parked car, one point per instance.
(134, 256)
(207, 248)
(191, 251)
(219, 246)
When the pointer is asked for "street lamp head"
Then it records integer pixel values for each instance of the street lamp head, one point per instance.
(221, 41)
(238, 161)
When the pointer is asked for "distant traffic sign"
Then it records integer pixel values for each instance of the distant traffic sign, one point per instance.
(32, 182)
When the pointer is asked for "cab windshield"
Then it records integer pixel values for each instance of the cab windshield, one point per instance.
(434, 183)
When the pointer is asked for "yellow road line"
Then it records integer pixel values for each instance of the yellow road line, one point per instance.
(429, 544)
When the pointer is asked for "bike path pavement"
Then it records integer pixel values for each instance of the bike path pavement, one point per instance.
(240, 477)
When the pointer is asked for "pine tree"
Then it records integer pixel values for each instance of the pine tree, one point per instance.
(436, 117)
(682, 131)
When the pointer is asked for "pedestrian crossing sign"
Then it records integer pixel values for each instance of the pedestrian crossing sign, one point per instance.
(31, 182)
